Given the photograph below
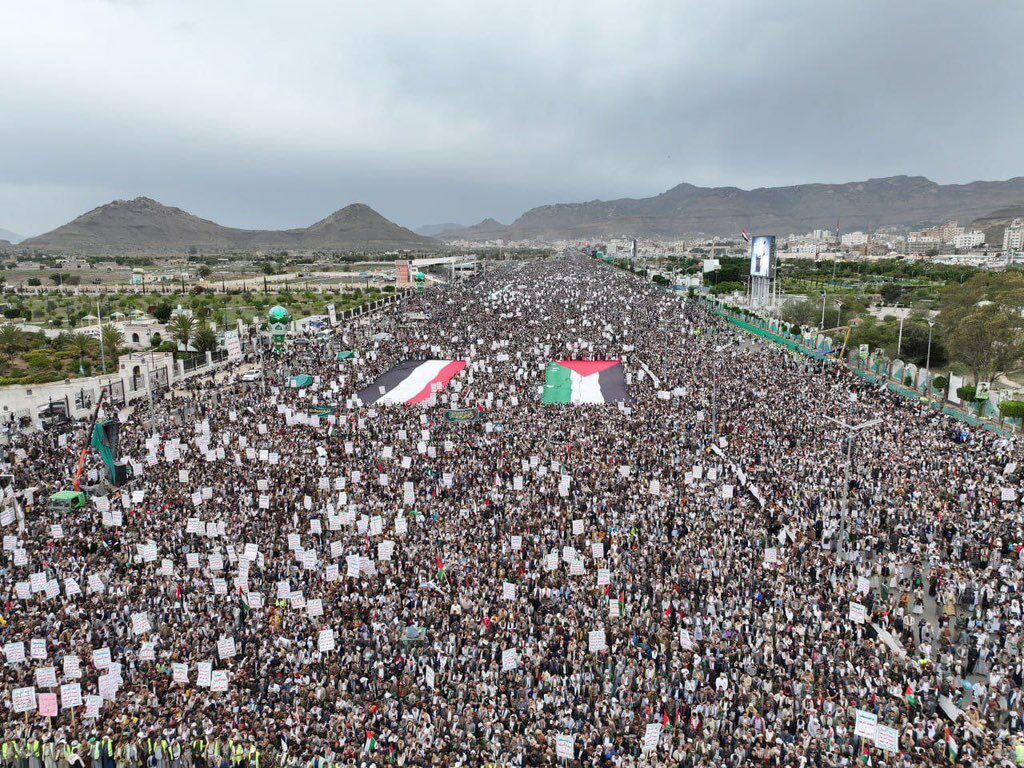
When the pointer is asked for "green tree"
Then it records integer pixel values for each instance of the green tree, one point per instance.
(112, 341)
(987, 341)
(205, 271)
(182, 327)
(1012, 409)
(82, 345)
(204, 339)
(915, 344)
(727, 286)
(162, 312)
(804, 312)
(891, 292)
(10, 338)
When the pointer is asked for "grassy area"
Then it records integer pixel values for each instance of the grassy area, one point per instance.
(62, 311)
(31, 358)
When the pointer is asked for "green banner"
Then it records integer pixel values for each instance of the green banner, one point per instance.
(462, 415)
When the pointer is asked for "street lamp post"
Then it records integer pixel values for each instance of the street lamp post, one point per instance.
(714, 398)
(852, 430)
(899, 339)
(928, 360)
(823, 294)
(839, 313)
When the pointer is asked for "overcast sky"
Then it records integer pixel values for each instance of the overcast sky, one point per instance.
(273, 114)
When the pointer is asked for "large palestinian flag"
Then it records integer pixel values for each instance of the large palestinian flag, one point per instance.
(584, 381)
(411, 382)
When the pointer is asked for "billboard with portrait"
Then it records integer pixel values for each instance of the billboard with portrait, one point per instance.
(762, 256)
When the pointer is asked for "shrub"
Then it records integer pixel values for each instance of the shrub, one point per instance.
(1012, 409)
(966, 392)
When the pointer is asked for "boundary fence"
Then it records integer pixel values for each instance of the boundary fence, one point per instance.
(794, 343)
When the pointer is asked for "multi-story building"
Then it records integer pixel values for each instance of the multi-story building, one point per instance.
(944, 233)
(853, 239)
(967, 240)
(1013, 236)
(920, 246)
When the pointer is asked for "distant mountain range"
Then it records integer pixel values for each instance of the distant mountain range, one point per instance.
(144, 225)
(994, 223)
(432, 230)
(906, 201)
(6, 236)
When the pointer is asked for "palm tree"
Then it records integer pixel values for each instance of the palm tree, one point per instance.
(112, 340)
(83, 345)
(182, 327)
(10, 337)
(204, 339)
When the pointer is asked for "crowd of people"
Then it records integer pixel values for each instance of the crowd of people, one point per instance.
(684, 578)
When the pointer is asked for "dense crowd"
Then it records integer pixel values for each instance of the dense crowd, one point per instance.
(292, 577)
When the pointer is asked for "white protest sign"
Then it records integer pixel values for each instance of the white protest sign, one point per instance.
(226, 647)
(219, 680)
(865, 725)
(23, 700)
(70, 695)
(887, 738)
(565, 746)
(15, 652)
(858, 612)
(205, 672)
(652, 734)
(325, 640)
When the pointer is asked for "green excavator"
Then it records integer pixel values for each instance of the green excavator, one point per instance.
(102, 437)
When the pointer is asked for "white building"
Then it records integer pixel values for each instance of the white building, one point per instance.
(967, 240)
(135, 334)
(1013, 236)
(853, 239)
(810, 248)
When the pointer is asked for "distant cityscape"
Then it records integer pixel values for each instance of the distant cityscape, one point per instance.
(948, 243)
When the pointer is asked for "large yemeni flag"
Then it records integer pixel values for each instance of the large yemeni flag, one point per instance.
(411, 382)
(584, 381)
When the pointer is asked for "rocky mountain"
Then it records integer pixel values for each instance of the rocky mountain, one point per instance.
(488, 229)
(144, 225)
(432, 230)
(359, 226)
(687, 209)
(9, 237)
(994, 223)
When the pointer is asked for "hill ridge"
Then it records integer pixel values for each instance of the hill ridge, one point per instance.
(143, 224)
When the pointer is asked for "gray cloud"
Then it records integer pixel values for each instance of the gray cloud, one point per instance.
(274, 114)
